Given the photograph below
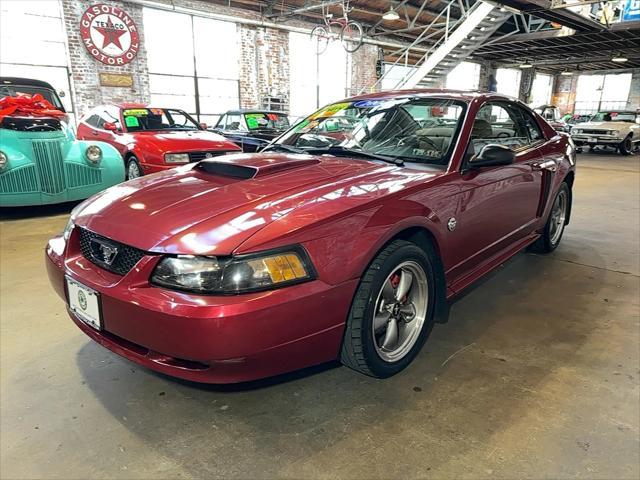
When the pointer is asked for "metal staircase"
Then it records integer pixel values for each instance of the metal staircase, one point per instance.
(457, 42)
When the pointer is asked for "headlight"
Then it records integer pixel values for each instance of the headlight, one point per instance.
(3, 160)
(245, 273)
(613, 132)
(176, 158)
(94, 154)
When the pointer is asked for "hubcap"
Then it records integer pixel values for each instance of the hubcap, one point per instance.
(133, 170)
(401, 308)
(558, 217)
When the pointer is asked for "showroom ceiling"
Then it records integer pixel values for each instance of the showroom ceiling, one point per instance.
(533, 34)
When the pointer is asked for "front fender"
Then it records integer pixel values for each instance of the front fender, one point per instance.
(111, 164)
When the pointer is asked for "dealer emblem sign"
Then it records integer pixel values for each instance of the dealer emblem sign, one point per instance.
(109, 34)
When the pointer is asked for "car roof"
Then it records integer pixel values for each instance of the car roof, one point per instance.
(464, 95)
(253, 110)
(130, 105)
(25, 82)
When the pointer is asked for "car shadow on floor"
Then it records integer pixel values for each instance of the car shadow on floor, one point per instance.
(36, 211)
(506, 339)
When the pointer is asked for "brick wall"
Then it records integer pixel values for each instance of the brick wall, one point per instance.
(264, 65)
(85, 69)
(363, 69)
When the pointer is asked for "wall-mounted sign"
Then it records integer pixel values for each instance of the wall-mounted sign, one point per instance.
(109, 34)
(116, 79)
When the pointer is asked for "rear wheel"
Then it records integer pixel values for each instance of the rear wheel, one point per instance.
(392, 312)
(554, 228)
(351, 36)
(134, 170)
(626, 147)
(320, 37)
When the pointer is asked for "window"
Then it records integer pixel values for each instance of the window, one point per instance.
(541, 89)
(503, 124)
(183, 73)
(138, 119)
(508, 80)
(602, 92)
(393, 74)
(315, 80)
(234, 122)
(466, 76)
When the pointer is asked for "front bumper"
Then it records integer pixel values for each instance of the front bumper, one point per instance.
(212, 339)
(585, 139)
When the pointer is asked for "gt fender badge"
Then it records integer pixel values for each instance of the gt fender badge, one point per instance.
(451, 224)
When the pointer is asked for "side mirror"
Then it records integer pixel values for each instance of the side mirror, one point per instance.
(493, 155)
(61, 93)
(204, 126)
(112, 127)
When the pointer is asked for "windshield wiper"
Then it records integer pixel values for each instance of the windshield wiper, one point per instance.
(338, 150)
(283, 146)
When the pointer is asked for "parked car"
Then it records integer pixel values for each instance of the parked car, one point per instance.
(252, 130)
(257, 264)
(41, 162)
(571, 119)
(551, 114)
(618, 129)
(152, 139)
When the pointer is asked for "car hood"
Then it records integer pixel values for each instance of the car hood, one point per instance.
(184, 141)
(192, 211)
(602, 125)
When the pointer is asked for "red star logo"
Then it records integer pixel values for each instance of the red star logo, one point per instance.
(111, 34)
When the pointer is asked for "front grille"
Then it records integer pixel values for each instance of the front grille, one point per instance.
(79, 175)
(121, 262)
(48, 157)
(595, 132)
(19, 180)
(198, 156)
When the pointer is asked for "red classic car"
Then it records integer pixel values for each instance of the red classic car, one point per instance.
(251, 265)
(152, 139)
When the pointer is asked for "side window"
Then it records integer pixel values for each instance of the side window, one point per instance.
(221, 122)
(109, 114)
(93, 120)
(498, 123)
(234, 122)
(530, 125)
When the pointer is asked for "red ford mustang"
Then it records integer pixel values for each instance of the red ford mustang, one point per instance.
(152, 139)
(345, 240)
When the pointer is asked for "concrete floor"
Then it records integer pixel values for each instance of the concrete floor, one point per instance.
(536, 375)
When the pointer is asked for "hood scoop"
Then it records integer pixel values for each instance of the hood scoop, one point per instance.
(245, 167)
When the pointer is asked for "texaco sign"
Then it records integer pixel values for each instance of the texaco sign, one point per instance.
(109, 34)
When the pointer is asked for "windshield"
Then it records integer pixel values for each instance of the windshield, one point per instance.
(48, 94)
(412, 129)
(266, 121)
(614, 117)
(140, 119)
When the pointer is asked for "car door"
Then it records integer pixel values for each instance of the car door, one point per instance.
(498, 206)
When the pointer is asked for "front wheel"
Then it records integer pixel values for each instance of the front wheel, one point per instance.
(626, 147)
(392, 312)
(134, 170)
(320, 37)
(554, 228)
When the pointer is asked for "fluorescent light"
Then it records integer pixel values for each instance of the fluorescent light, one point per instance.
(566, 73)
(391, 15)
(619, 59)
(526, 65)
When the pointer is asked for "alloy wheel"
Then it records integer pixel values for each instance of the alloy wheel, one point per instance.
(133, 170)
(400, 311)
(558, 217)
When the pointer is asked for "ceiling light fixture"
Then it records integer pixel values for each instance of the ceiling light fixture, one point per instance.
(619, 59)
(526, 64)
(391, 14)
(566, 73)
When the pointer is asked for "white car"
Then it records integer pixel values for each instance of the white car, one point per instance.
(618, 129)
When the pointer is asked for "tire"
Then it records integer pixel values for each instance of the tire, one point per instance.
(320, 36)
(550, 238)
(133, 166)
(363, 349)
(626, 147)
(351, 36)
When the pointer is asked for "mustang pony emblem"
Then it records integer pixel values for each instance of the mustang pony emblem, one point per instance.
(104, 252)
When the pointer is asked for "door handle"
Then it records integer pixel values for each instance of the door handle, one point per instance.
(550, 165)
(93, 132)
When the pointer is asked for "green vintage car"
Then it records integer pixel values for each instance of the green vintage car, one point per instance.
(41, 162)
